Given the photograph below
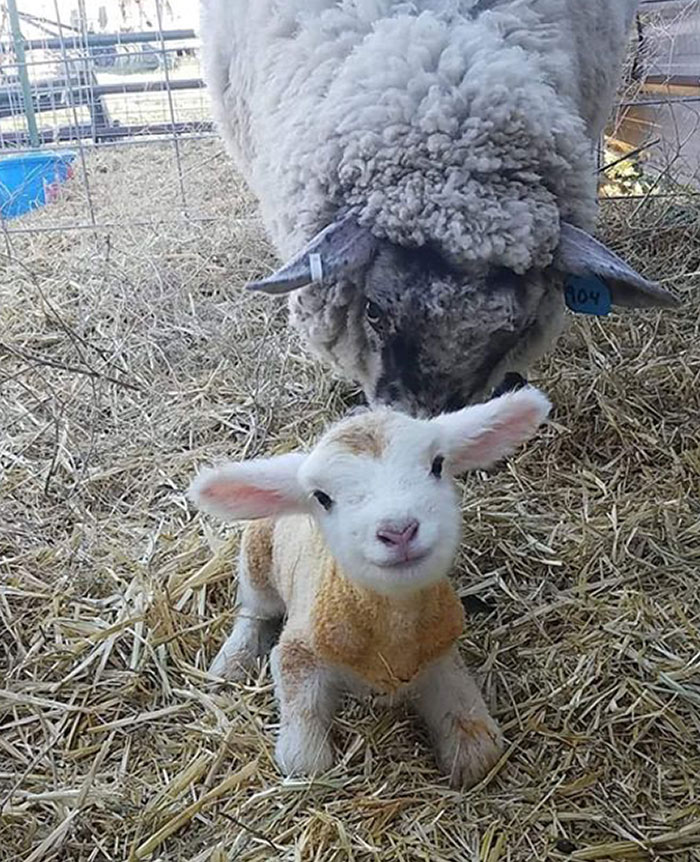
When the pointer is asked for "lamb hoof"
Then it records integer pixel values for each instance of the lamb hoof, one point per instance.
(232, 666)
(470, 751)
(303, 754)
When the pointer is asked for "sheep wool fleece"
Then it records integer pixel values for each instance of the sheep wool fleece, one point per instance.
(467, 124)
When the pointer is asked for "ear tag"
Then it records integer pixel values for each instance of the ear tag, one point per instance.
(587, 294)
(316, 268)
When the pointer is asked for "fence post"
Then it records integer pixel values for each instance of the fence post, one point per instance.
(18, 40)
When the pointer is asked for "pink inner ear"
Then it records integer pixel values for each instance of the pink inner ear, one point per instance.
(480, 449)
(233, 495)
(507, 433)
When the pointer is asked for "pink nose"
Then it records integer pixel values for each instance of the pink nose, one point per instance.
(398, 536)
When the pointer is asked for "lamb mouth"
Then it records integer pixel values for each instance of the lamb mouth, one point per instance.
(405, 562)
(510, 383)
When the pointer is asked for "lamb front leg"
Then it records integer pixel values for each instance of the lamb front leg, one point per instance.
(467, 740)
(307, 691)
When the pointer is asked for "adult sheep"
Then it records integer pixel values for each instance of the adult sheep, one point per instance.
(435, 162)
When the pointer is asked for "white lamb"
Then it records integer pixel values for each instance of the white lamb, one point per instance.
(356, 560)
(435, 160)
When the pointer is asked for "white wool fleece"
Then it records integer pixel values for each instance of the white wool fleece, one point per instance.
(465, 124)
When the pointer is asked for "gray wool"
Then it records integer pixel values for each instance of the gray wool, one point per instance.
(472, 133)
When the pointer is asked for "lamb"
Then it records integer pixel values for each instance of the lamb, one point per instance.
(352, 544)
(427, 169)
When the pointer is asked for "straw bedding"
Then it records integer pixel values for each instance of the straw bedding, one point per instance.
(131, 356)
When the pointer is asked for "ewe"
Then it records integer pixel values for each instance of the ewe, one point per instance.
(435, 163)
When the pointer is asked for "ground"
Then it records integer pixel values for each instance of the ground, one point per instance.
(130, 355)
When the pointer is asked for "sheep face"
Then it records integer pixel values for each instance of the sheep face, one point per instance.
(425, 355)
(399, 328)
(379, 484)
(424, 336)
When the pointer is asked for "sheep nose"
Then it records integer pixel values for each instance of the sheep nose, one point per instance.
(398, 536)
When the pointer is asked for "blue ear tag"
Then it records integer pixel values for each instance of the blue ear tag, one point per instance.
(587, 294)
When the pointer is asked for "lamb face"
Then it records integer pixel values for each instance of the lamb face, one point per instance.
(379, 485)
(385, 501)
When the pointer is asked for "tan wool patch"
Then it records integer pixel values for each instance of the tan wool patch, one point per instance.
(256, 547)
(297, 661)
(385, 641)
(366, 436)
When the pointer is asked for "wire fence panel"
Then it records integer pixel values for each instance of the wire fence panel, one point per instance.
(658, 116)
(118, 84)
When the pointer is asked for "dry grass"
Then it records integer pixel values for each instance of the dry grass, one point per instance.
(129, 358)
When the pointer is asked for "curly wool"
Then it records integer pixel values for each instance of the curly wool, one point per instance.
(432, 127)
(476, 154)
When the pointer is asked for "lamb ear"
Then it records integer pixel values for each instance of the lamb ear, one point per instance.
(341, 247)
(581, 255)
(247, 490)
(478, 436)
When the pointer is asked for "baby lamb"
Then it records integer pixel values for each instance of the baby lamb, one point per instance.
(351, 544)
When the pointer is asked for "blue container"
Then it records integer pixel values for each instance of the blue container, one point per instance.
(31, 180)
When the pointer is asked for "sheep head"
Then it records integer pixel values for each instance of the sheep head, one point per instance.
(423, 335)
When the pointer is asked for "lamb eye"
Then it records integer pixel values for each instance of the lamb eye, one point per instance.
(324, 500)
(374, 314)
(436, 467)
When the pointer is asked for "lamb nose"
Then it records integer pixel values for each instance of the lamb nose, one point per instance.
(398, 536)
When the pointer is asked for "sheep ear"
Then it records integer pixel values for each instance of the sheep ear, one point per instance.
(251, 489)
(482, 434)
(341, 247)
(581, 255)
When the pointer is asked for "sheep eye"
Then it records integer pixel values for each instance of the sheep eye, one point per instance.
(374, 314)
(436, 467)
(324, 500)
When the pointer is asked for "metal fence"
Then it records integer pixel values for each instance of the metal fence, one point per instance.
(123, 76)
(98, 78)
(658, 116)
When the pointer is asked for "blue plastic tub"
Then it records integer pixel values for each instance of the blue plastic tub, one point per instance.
(31, 180)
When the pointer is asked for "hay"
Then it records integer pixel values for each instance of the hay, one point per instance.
(128, 358)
